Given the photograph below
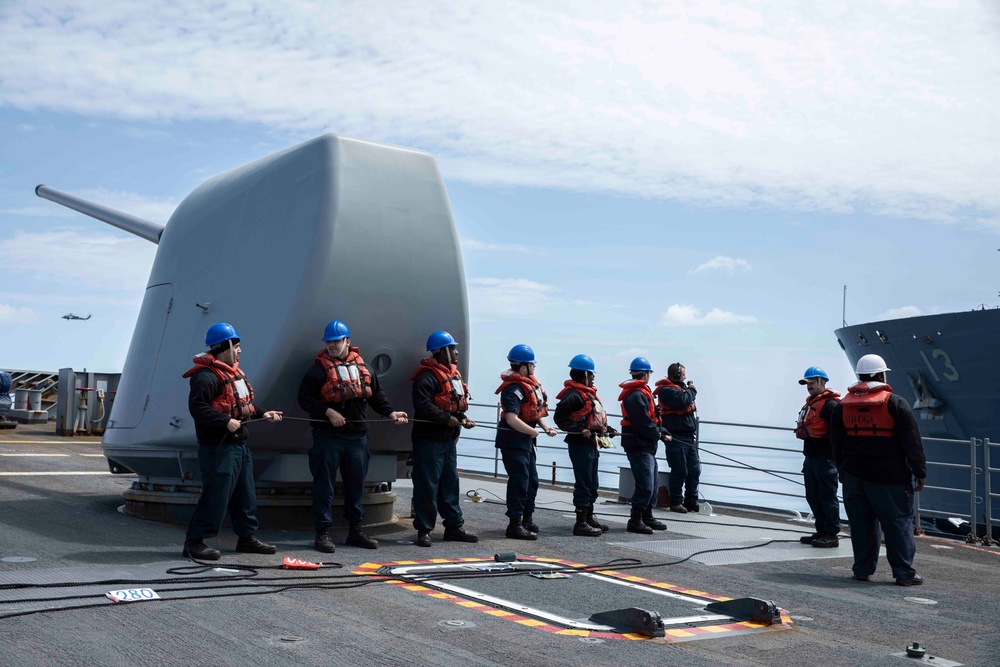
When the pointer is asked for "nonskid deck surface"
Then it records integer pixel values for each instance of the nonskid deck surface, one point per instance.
(70, 525)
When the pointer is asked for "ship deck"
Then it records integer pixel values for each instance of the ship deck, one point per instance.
(59, 507)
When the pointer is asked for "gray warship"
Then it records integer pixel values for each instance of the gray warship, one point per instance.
(944, 365)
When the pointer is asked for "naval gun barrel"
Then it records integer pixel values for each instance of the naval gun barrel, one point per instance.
(142, 228)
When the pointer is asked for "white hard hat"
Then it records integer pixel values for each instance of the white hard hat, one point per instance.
(871, 364)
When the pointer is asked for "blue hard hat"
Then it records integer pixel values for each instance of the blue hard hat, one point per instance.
(814, 372)
(220, 332)
(439, 339)
(641, 364)
(335, 331)
(521, 354)
(582, 362)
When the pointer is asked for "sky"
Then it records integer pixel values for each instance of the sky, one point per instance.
(687, 181)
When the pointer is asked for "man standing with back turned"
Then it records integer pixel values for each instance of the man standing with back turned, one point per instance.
(877, 448)
(675, 395)
(819, 473)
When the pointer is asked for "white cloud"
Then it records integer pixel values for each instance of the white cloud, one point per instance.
(472, 244)
(888, 109)
(899, 313)
(113, 262)
(724, 263)
(683, 315)
(511, 297)
(14, 315)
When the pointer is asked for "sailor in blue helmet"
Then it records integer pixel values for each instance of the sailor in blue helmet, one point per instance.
(525, 405)
(641, 433)
(819, 474)
(440, 400)
(877, 449)
(581, 415)
(675, 396)
(221, 402)
(336, 392)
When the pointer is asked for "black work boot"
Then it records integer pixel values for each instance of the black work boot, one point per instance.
(324, 543)
(584, 529)
(459, 534)
(808, 539)
(423, 538)
(651, 521)
(594, 522)
(200, 551)
(635, 523)
(517, 531)
(528, 523)
(357, 538)
(252, 545)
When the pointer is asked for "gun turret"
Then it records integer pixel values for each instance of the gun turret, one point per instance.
(142, 228)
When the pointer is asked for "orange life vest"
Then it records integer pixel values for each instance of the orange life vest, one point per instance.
(660, 384)
(810, 424)
(536, 402)
(453, 393)
(236, 399)
(640, 386)
(865, 410)
(592, 415)
(345, 379)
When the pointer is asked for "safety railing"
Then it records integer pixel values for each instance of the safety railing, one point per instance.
(552, 462)
(553, 466)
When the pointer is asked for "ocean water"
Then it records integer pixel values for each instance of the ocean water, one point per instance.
(761, 467)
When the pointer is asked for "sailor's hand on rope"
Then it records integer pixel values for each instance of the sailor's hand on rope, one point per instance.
(920, 484)
(234, 425)
(468, 423)
(398, 417)
(273, 415)
(586, 433)
(335, 417)
(551, 432)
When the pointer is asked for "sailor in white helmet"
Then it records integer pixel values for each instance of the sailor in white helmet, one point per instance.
(877, 449)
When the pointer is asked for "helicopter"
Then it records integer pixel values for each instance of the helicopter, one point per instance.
(74, 316)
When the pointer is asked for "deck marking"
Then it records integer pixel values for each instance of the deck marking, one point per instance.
(41, 474)
(19, 454)
(673, 635)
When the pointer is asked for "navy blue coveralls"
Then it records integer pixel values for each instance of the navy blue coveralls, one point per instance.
(435, 458)
(682, 451)
(821, 479)
(639, 440)
(583, 452)
(225, 463)
(877, 474)
(518, 452)
(344, 448)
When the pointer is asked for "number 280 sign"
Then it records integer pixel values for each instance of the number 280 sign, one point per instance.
(132, 595)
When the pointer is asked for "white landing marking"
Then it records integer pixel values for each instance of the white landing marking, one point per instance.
(38, 474)
(34, 454)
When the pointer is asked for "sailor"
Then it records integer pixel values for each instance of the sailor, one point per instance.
(525, 405)
(641, 433)
(878, 451)
(221, 403)
(581, 416)
(336, 392)
(440, 400)
(819, 473)
(675, 396)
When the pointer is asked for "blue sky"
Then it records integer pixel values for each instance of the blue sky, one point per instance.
(692, 182)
